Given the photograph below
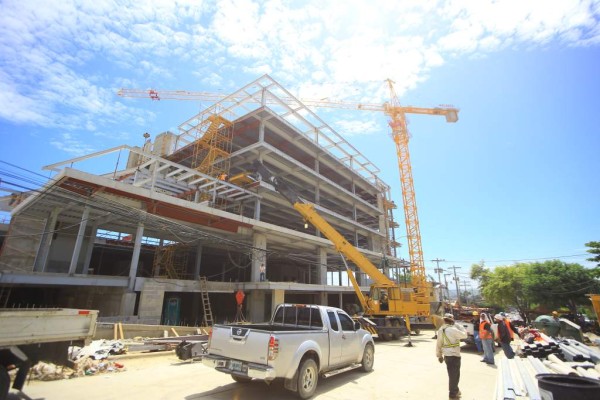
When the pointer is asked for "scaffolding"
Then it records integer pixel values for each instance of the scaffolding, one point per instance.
(171, 261)
(211, 151)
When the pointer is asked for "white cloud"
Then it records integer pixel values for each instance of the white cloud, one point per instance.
(488, 25)
(353, 127)
(62, 61)
(71, 145)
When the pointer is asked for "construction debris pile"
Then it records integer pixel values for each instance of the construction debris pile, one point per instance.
(568, 357)
(98, 350)
(43, 371)
(88, 360)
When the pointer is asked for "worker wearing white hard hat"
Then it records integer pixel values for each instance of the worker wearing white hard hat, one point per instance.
(448, 349)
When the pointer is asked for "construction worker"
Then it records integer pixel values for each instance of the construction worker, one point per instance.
(505, 336)
(448, 349)
(486, 336)
(262, 271)
(385, 306)
(476, 339)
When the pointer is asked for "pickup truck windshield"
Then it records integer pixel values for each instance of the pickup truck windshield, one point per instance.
(301, 316)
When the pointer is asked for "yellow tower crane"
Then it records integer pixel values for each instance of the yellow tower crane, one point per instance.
(400, 135)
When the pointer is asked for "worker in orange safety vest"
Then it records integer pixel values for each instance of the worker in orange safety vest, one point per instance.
(505, 336)
(487, 339)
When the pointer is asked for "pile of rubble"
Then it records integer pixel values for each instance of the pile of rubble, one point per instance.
(98, 350)
(88, 360)
(43, 371)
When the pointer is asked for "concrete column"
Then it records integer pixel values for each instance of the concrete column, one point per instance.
(79, 240)
(257, 209)
(322, 267)
(151, 302)
(256, 309)
(89, 249)
(278, 297)
(259, 256)
(322, 298)
(136, 255)
(261, 131)
(127, 304)
(42, 256)
(341, 305)
(198, 261)
(383, 217)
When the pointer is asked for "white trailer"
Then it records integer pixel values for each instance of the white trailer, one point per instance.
(30, 335)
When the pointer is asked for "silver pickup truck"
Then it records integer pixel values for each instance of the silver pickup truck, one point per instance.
(299, 344)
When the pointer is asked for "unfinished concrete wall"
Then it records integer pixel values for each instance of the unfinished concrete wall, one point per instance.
(19, 249)
(151, 301)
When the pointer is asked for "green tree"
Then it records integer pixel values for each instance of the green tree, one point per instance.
(555, 284)
(480, 273)
(505, 286)
(594, 248)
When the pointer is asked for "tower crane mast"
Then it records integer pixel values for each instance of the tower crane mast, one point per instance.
(397, 114)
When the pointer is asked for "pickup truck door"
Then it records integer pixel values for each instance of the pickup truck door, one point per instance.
(350, 338)
(335, 339)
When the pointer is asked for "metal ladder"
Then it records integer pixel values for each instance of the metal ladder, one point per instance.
(208, 318)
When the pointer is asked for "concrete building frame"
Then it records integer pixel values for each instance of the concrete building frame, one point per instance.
(91, 240)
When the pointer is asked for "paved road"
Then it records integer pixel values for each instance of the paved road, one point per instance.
(410, 373)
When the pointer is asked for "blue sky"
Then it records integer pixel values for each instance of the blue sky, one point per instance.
(515, 179)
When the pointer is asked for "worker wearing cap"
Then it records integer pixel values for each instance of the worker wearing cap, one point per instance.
(505, 336)
(487, 339)
(448, 349)
(476, 338)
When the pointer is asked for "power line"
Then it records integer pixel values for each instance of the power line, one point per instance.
(518, 260)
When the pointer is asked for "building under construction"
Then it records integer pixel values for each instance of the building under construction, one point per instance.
(174, 229)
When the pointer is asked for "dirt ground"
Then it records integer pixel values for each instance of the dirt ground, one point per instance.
(410, 373)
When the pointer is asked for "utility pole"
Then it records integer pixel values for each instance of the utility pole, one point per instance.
(456, 282)
(464, 284)
(446, 283)
(439, 272)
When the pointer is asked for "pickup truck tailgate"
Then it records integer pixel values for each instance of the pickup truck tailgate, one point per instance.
(240, 343)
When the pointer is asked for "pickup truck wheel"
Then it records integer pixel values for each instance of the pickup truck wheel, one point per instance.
(368, 358)
(4, 383)
(308, 376)
(241, 379)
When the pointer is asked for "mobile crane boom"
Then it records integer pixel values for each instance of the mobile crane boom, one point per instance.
(387, 300)
(309, 213)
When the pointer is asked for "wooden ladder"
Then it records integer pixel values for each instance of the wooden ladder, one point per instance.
(208, 318)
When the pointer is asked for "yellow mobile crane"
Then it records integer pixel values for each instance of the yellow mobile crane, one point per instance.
(383, 316)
